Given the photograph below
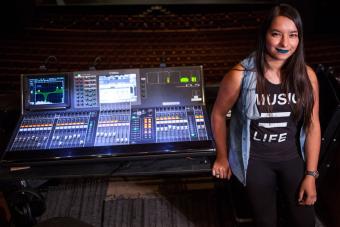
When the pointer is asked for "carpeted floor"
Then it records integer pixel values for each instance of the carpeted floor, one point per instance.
(185, 210)
(139, 203)
(143, 202)
(78, 198)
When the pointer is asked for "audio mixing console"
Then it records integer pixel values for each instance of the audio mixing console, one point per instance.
(110, 113)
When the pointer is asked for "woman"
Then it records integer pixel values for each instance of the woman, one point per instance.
(274, 132)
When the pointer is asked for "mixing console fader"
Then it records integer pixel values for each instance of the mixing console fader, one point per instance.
(113, 128)
(58, 130)
(180, 124)
(34, 132)
(111, 113)
(73, 129)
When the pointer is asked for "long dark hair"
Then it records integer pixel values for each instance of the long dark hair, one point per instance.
(294, 77)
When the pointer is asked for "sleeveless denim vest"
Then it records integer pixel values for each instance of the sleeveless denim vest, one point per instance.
(242, 113)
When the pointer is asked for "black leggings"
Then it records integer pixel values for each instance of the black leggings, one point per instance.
(264, 179)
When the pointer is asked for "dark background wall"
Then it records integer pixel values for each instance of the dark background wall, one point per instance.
(319, 16)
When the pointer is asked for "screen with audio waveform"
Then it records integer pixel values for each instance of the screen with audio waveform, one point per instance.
(47, 91)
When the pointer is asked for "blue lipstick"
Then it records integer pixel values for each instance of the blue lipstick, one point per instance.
(282, 51)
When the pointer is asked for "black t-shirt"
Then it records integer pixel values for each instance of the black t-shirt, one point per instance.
(274, 137)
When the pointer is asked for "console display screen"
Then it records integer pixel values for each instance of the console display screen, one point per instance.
(118, 88)
(46, 91)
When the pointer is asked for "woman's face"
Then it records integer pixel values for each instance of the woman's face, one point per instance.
(282, 38)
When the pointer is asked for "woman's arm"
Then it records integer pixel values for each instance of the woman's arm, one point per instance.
(307, 195)
(227, 96)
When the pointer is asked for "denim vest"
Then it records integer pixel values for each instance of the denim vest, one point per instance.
(243, 112)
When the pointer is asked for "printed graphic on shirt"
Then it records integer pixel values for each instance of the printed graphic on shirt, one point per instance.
(273, 119)
(279, 99)
(274, 134)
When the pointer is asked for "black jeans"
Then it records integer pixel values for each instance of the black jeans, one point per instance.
(264, 179)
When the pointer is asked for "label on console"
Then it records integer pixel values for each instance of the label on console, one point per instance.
(171, 103)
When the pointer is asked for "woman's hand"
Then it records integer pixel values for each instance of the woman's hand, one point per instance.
(307, 193)
(221, 168)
